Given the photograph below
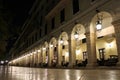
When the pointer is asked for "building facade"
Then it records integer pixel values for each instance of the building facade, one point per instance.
(69, 33)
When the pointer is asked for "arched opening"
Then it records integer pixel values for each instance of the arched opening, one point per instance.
(105, 39)
(53, 52)
(45, 52)
(79, 45)
(64, 49)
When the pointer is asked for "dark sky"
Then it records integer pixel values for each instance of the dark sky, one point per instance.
(13, 14)
(19, 9)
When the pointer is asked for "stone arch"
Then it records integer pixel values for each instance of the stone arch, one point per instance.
(53, 41)
(106, 20)
(63, 47)
(45, 53)
(78, 47)
(53, 49)
(79, 29)
(105, 36)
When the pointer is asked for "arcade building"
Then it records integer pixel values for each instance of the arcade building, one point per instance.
(69, 33)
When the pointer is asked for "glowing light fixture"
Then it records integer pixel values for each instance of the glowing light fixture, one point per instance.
(2, 62)
(6, 61)
(44, 48)
(31, 53)
(67, 54)
(38, 50)
(76, 35)
(51, 45)
(61, 40)
(98, 25)
(35, 52)
(77, 52)
(98, 22)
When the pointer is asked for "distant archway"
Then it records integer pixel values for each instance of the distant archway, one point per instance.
(64, 49)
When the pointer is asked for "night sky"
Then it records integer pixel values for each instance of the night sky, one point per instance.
(20, 9)
(13, 14)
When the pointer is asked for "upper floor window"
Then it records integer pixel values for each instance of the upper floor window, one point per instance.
(75, 6)
(62, 15)
(53, 23)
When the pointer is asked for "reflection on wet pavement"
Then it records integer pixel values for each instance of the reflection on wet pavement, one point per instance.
(22, 73)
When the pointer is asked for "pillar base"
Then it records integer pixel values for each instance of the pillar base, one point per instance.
(92, 65)
(70, 66)
(118, 64)
(58, 66)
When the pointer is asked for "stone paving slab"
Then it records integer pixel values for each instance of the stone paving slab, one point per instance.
(24, 73)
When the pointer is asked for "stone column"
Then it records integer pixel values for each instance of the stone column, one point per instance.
(38, 61)
(91, 49)
(34, 58)
(59, 54)
(26, 60)
(71, 53)
(31, 61)
(49, 56)
(117, 35)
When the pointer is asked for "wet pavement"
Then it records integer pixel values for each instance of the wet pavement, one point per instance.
(23, 73)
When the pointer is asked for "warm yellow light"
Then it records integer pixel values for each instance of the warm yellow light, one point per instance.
(44, 48)
(61, 41)
(67, 54)
(76, 35)
(77, 52)
(38, 50)
(51, 45)
(31, 54)
(109, 45)
(99, 25)
(35, 52)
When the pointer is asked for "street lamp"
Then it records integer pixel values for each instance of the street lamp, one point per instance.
(76, 35)
(51, 45)
(99, 25)
(61, 40)
(98, 22)
(38, 50)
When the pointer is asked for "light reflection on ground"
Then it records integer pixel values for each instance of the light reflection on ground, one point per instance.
(22, 73)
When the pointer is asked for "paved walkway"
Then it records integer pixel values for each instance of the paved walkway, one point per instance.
(23, 73)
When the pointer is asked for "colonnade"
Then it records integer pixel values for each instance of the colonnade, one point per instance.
(82, 47)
